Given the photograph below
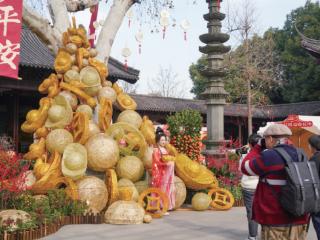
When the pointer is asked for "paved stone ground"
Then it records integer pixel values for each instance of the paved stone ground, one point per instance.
(179, 225)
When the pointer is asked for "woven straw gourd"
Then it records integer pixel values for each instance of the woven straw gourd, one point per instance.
(181, 192)
(131, 117)
(57, 140)
(124, 184)
(130, 167)
(103, 152)
(124, 212)
(201, 201)
(147, 158)
(93, 191)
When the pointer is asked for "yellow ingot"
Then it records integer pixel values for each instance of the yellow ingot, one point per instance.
(36, 150)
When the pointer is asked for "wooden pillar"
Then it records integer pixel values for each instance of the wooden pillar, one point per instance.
(240, 133)
(16, 121)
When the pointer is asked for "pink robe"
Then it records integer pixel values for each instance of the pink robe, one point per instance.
(163, 175)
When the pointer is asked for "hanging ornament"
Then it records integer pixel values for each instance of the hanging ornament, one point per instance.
(126, 52)
(92, 28)
(164, 14)
(164, 22)
(185, 25)
(139, 38)
(129, 16)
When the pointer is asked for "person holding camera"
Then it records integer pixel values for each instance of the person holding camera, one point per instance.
(276, 222)
(249, 184)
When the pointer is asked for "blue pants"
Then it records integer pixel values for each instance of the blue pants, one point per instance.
(248, 200)
(316, 223)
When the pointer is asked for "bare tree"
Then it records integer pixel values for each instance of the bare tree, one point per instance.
(255, 58)
(129, 87)
(166, 84)
(50, 30)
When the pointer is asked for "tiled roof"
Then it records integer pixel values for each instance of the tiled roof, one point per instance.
(36, 54)
(168, 105)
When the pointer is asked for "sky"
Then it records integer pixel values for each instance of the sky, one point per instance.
(174, 51)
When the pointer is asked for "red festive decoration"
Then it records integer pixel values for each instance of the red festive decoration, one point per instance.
(294, 121)
(92, 29)
(10, 29)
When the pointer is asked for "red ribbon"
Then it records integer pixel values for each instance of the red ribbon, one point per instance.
(92, 30)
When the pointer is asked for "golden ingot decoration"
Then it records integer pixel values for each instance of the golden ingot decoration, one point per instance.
(71, 99)
(63, 61)
(71, 76)
(42, 132)
(93, 191)
(126, 187)
(57, 140)
(36, 118)
(131, 117)
(147, 158)
(107, 92)
(201, 201)
(112, 186)
(103, 152)
(222, 199)
(50, 86)
(93, 129)
(80, 127)
(130, 140)
(154, 201)
(36, 150)
(80, 55)
(180, 192)
(105, 114)
(124, 212)
(59, 114)
(193, 174)
(100, 67)
(74, 161)
(171, 150)
(141, 186)
(130, 167)
(80, 93)
(84, 108)
(147, 130)
(15, 217)
(117, 88)
(125, 102)
(52, 177)
(90, 76)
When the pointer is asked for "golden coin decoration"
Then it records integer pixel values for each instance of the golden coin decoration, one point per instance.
(222, 199)
(112, 186)
(154, 201)
(80, 127)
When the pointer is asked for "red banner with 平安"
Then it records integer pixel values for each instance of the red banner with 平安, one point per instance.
(10, 30)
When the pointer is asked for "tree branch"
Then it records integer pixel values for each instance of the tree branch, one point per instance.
(59, 15)
(79, 5)
(110, 28)
(42, 28)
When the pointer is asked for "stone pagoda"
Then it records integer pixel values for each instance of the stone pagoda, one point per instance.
(214, 94)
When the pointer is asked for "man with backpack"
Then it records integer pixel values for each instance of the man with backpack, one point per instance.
(271, 166)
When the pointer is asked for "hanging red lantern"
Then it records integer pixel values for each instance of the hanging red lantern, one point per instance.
(129, 16)
(139, 38)
(185, 25)
(164, 21)
(126, 52)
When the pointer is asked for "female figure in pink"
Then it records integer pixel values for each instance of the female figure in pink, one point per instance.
(163, 171)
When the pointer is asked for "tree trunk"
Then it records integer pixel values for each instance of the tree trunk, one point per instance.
(59, 15)
(110, 28)
(79, 5)
(42, 28)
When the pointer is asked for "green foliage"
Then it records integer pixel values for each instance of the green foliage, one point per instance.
(300, 71)
(197, 79)
(188, 122)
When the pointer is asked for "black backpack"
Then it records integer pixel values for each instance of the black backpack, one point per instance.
(301, 194)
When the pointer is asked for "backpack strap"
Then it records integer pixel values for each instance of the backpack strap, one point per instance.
(285, 156)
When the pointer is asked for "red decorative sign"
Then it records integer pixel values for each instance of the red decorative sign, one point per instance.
(294, 121)
(10, 30)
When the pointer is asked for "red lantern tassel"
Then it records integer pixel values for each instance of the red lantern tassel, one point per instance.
(129, 23)
(164, 32)
(126, 65)
(185, 36)
(139, 48)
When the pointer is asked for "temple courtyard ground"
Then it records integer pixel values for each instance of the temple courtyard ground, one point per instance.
(179, 225)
